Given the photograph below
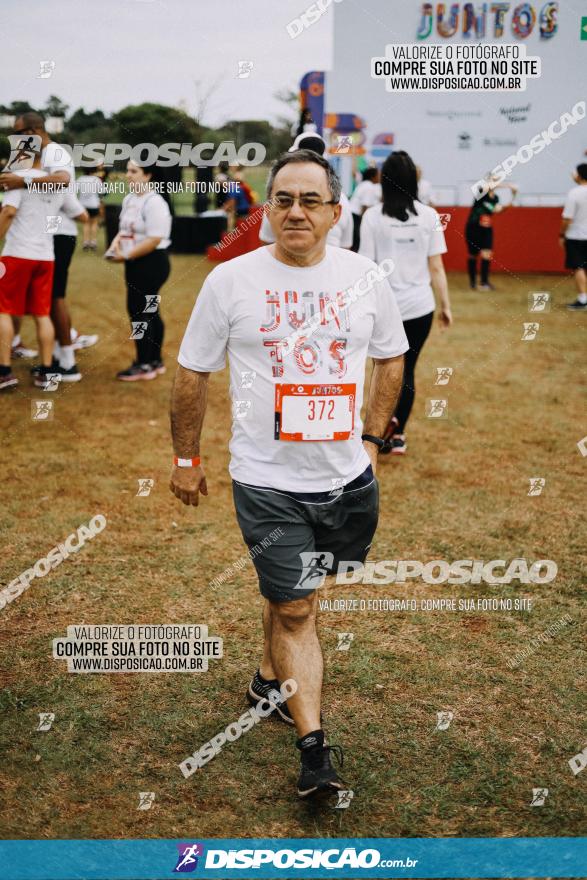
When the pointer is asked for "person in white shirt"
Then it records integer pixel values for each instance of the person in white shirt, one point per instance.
(26, 279)
(142, 242)
(573, 235)
(89, 190)
(302, 461)
(341, 234)
(409, 233)
(365, 195)
(58, 164)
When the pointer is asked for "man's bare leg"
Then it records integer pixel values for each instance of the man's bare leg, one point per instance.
(296, 653)
(46, 338)
(6, 336)
(266, 667)
(61, 321)
(581, 280)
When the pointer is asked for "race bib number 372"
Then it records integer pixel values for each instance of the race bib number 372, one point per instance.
(314, 412)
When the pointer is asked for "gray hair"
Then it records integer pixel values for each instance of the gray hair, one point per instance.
(306, 156)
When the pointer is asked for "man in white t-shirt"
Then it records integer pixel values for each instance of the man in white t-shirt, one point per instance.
(26, 221)
(573, 235)
(58, 163)
(341, 234)
(298, 320)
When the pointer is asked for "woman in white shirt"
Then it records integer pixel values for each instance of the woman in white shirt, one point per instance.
(89, 190)
(410, 234)
(141, 244)
(365, 195)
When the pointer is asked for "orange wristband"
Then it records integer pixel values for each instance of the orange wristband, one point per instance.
(186, 462)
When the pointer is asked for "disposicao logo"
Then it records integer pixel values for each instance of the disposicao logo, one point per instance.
(187, 860)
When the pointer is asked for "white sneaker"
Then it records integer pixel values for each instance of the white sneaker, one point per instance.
(19, 351)
(84, 341)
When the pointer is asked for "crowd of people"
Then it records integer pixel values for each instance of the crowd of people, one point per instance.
(390, 214)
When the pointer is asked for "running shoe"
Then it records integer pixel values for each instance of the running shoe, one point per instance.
(84, 341)
(388, 435)
(19, 351)
(159, 367)
(72, 374)
(136, 373)
(485, 287)
(317, 775)
(576, 306)
(398, 444)
(48, 378)
(8, 381)
(37, 368)
(261, 689)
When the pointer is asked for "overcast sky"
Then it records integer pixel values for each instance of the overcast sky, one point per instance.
(116, 52)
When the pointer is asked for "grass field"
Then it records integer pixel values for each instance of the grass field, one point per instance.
(515, 412)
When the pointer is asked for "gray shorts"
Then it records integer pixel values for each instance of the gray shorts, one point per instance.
(296, 539)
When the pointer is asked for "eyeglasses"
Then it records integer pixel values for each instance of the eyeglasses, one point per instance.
(23, 131)
(307, 203)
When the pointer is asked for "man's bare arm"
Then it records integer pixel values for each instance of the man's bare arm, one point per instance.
(15, 181)
(7, 214)
(386, 383)
(188, 408)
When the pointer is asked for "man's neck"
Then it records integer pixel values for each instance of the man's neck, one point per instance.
(311, 258)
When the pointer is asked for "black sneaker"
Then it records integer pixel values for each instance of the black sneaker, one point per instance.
(8, 381)
(398, 444)
(72, 374)
(37, 368)
(48, 378)
(577, 306)
(159, 367)
(136, 372)
(261, 689)
(317, 775)
(388, 434)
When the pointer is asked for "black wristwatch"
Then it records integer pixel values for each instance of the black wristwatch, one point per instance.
(378, 441)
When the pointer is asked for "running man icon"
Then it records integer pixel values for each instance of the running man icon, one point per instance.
(315, 566)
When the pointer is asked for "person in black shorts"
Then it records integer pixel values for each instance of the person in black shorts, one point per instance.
(573, 235)
(479, 231)
(302, 462)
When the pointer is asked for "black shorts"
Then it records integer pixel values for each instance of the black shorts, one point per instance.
(93, 212)
(576, 253)
(64, 246)
(479, 238)
(295, 543)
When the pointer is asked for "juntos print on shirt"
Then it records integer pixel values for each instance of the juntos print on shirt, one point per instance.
(291, 311)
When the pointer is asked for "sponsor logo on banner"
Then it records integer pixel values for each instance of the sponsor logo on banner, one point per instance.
(516, 114)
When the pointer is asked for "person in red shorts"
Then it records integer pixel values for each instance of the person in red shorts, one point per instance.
(27, 222)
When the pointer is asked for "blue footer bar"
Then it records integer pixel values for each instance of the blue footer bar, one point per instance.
(525, 857)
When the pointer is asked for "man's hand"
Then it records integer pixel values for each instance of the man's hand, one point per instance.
(372, 451)
(11, 181)
(186, 484)
(445, 317)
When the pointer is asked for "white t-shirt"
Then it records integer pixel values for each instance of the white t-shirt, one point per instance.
(575, 210)
(365, 195)
(55, 158)
(408, 244)
(30, 235)
(341, 235)
(89, 190)
(246, 308)
(144, 216)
